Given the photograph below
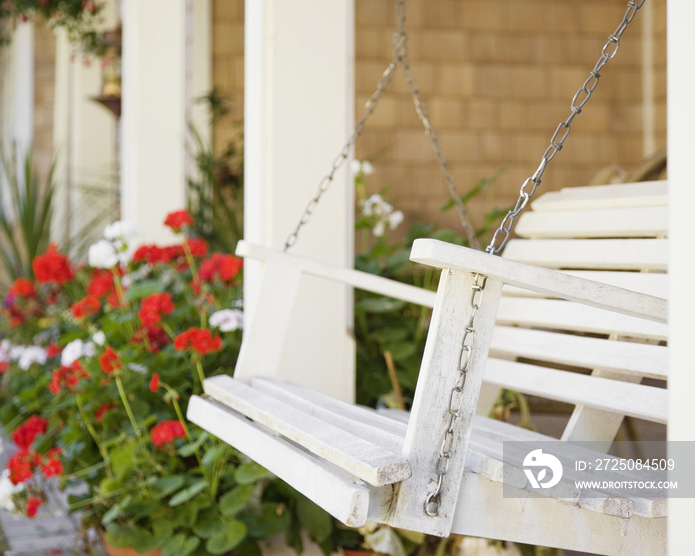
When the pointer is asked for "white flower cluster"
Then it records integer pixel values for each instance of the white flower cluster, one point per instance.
(25, 356)
(227, 320)
(76, 349)
(363, 167)
(382, 212)
(108, 252)
(7, 489)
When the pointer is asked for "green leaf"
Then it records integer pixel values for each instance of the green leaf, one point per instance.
(232, 536)
(167, 485)
(386, 335)
(123, 459)
(209, 523)
(143, 289)
(267, 524)
(180, 545)
(235, 500)
(143, 541)
(250, 472)
(316, 521)
(118, 536)
(162, 529)
(186, 494)
(380, 305)
(400, 350)
(109, 485)
(116, 510)
(248, 548)
(189, 449)
(212, 454)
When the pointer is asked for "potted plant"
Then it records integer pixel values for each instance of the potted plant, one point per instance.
(98, 364)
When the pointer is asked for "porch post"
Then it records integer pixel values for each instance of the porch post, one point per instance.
(681, 181)
(298, 113)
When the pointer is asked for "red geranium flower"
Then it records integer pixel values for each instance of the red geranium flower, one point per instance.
(67, 376)
(85, 307)
(25, 434)
(154, 307)
(99, 415)
(109, 361)
(166, 431)
(33, 505)
(198, 339)
(156, 337)
(197, 247)
(52, 467)
(21, 466)
(223, 267)
(52, 266)
(100, 282)
(177, 220)
(4, 365)
(154, 383)
(22, 287)
(53, 351)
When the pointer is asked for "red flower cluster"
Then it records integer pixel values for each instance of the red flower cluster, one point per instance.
(22, 465)
(52, 466)
(154, 307)
(53, 351)
(177, 220)
(67, 377)
(154, 254)
(52, 266)
(166, 431)
(197, 247)
(156, 337)
(4, 365)
(154, 383)
(85, 307)
(222, 267)
(25, 434)
(33, 505)
(22, 287)
(99, 415)
(109, 361)
(198, 339)
(100, 283)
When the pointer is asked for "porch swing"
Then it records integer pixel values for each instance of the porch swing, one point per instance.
(439, 469)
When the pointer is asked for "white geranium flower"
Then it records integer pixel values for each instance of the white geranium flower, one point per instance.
(89, 349)
(379, 228)
(385, 541)
(32, 354)
(5, 347)
(99, 338)
(363, 166)
(71, 353)
(102, 254)
(395, 218)
(7, 489)
(137, 368)
(121, 230)
(16, 352)
(227, 320)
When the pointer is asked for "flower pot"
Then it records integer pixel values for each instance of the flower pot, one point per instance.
(357, 552)
(113, 551)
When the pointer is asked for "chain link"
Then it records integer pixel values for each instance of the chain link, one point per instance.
(446, 451)
(581, 97)
(433, 500)
(400, 51)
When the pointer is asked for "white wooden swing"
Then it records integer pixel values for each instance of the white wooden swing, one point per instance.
(439, 469)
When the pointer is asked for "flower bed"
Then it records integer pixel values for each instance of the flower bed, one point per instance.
(98, 364)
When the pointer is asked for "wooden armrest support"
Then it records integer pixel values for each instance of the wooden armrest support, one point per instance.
(352, 277)
(538, 279)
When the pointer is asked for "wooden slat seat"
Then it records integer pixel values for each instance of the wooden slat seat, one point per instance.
(585, 289)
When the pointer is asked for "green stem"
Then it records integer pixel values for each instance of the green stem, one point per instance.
(169, 331)
(102, 449)
(126, 404)
(88, 501)
(88, 470)
(199, 367)
(190, 261)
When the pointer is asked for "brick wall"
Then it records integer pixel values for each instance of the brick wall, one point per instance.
(497, 77)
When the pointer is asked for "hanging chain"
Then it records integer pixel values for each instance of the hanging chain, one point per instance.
(400, 51)
(456, 396)
(581, 97)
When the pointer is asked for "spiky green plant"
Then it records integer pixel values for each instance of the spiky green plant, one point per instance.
(25, 221)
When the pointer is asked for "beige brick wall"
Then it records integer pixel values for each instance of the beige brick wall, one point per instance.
(497, 77)
(44, 91)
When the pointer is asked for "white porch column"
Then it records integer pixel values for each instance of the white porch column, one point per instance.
(298, 113)
(23, 122)
(681, 179)
(153, 114)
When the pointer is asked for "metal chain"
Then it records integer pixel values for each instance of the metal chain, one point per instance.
(581, 97)
(456, 396)
(400, 51)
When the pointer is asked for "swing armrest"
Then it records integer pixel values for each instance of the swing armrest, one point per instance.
(541, 280)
